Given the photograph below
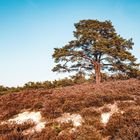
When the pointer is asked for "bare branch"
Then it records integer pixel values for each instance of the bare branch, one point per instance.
(108, 64)
(86, 57)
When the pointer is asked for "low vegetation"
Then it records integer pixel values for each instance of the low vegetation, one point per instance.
(86, 101)
(79, 78)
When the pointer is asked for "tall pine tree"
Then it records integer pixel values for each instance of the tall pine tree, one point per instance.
(96, 47)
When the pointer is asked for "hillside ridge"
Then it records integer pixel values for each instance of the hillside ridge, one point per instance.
(108, 111)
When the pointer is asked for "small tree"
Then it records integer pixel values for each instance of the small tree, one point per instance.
(97, 47)
(79, 78)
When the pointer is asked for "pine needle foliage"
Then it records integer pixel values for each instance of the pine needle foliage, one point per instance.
(96, 47)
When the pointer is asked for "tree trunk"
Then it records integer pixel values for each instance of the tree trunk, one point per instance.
(97, 67)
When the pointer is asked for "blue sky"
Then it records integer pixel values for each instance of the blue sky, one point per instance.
(30, 29)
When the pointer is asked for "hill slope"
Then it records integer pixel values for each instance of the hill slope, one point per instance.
(80, 112)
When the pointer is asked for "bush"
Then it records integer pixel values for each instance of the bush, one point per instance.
(88, 133)
(14, 131)
(126, 126)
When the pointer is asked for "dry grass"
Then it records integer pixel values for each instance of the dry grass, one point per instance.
(84, 99)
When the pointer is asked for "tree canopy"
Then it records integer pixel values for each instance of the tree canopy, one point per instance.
(96, 47)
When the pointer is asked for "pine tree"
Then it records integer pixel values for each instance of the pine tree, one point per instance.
(96, 47)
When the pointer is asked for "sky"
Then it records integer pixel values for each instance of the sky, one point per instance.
(31, 29)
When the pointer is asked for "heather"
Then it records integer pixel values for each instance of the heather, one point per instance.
(82, 111)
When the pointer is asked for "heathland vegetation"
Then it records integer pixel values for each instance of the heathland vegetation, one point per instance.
(79, 78)
(104, 106)
(78, 112)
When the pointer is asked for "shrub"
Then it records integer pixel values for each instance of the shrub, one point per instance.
(88, 133)
(126, 126)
